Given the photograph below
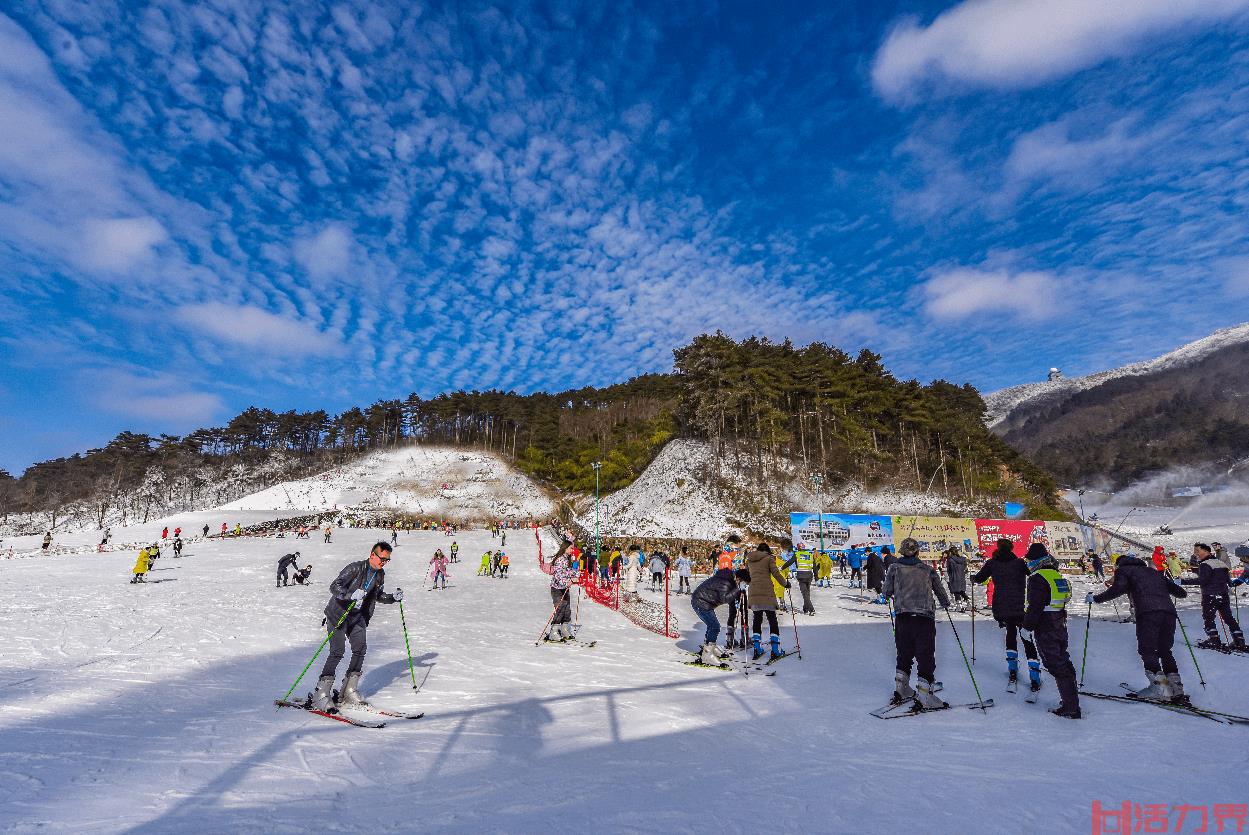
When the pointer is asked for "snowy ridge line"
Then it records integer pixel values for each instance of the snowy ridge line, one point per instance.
(1001, 403)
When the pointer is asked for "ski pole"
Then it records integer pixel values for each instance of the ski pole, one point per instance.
(966, 663)
(554, 609)
(407, 645)
(790, 594)
(1184, 632)
(1087, 623)
(893, 624)
(318, 652)
(973, 624)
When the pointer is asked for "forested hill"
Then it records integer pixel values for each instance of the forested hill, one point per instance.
(846, 418)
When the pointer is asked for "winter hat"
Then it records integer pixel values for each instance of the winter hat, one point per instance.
(909, 547)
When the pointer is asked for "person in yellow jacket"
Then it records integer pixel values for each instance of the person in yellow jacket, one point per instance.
(776, 584)
(823, 568)
(141, 566)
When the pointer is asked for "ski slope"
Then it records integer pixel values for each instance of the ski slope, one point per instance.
(149, 709)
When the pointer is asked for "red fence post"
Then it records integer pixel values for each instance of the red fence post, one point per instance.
(667, 634)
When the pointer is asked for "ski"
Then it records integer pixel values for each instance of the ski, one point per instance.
(891, 711)
(776, 658)
(1231, 717)
(1164, 705)
(382, 711)
(569, 642)
(728, 668)
(337, 717)
(1226, 649)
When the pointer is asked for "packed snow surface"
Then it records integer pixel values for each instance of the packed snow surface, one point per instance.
(1004, 401)
(436, 482)
(149, 709)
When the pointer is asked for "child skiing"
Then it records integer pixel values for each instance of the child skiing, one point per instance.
(504, 562)
(358, 588)
(1045, 624)
(911, 584)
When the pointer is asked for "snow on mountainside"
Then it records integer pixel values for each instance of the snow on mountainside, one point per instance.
(1001, 403)
(478, 486)
(676, 498)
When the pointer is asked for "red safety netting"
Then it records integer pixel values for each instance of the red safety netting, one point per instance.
(655, 617)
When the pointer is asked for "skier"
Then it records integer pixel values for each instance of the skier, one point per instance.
(685, 567)
(1159, 559)
(329, 529)
(177, 546)
(394, 534)
(455, 551)
(438, 567)
(289, 562)
(494, 563)
(1150, 593)
(47, 540)
(205, 531)
(485, 564)
(562, 578)
(717, 590)
(804, 561)
(823, 569)
(887, 556)
(1045, 624)
(876, 575)
(1098, 570)
(1009, 575)
(164, 533)
(910, 584)
(224, 528)
(854, 558)
(504, 562)
(956, 577)
(762, 598)
(358, 588)
(108, 534)
(1215, 576)
(238, 529)
(302, 575)
(141, 566)
(658, 563)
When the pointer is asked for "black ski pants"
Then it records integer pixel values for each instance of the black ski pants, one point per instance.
(351, 631)
(756, 621)
(804, 586)
(916, 640)
(561, 599)
(1220, 605)
(1011, 624)
(1051, 642)
(1155, 635)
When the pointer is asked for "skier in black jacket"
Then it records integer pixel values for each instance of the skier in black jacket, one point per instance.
(353, 596)
(290, 562)
(1010, 578)
(1215, 576)
(1150, 592)
(719, 589)
(1045, 624)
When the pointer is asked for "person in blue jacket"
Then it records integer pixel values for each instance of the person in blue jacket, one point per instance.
(855, 558)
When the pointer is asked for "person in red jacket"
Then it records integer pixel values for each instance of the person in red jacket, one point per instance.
(1159, 559)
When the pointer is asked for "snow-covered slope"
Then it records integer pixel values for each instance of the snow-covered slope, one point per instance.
(149, 709)
(411, 479)
(1001, 403)
(675, 497)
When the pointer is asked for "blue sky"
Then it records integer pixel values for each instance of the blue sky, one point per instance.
(210, 205)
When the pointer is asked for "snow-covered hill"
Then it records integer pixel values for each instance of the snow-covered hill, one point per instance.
(1003, 402)
(683, 494)
(437, 482)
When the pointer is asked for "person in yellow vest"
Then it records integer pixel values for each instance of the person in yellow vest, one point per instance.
(141, 566)
(804, 561)
(1045, 625)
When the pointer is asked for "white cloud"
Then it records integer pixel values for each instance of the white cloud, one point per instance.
(1023, 43)
(964, 292)
(252, 328)
(154, 398)
(119, 243)
(326, 254)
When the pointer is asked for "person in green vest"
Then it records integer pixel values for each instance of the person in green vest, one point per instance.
(1045, 625)
(803, 560)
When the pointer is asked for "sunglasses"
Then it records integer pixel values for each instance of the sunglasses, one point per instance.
(380, 558)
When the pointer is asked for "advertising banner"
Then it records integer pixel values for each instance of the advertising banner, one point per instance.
(935, 534)
(839, 530)
(1021, 532)
(1065, 540)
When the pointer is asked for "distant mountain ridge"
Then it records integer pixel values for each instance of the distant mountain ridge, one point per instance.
(1186, 407)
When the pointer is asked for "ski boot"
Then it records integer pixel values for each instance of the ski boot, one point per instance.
(565, 629)
(756, 639)
(350, 695)
(1034, 675)
(1178, 696)
(1158, 689)
(1012, 669)
(323, 697)
(902, 691)
(925, 698)
(708, 656)
(776, 646)
(1238, 642)
(880, 599)
(1066, 712)
(721, 652)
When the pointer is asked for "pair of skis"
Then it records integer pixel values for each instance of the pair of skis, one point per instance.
(569, 642)
(1191, 710)
(338, 716)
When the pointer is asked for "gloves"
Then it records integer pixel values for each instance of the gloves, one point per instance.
(357, 595)
(1026, 634)
(398, 595)
(1088, 598)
